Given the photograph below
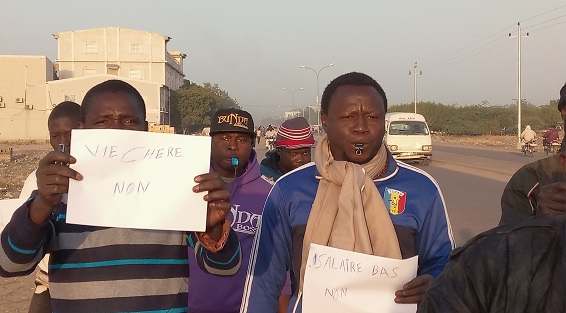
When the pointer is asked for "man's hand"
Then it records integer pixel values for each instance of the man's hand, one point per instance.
(414, 291)
(53, 176)
(551, 199)
(218, 199)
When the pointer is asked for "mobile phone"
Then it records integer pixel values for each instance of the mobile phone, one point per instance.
(61, 148)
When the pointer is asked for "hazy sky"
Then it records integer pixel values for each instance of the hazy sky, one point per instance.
(252, 48)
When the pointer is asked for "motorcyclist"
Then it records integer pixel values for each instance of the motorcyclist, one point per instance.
(270, 135)
(550, 136)
(528, 135)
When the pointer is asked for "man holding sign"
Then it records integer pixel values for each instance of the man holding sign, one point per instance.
(95, 269)
(343, 201)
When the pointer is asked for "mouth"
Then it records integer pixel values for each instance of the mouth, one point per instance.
(359, 148)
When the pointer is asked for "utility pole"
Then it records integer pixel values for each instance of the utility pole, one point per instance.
(519, 36)
(415, 72)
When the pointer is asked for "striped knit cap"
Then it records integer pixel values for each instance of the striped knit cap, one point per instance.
(295, 133)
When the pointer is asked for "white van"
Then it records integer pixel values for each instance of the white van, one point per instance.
(407, 136)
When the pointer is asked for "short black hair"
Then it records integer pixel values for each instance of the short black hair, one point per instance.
(66, 109)
(113, 86)
(350, 79)
(562, 101)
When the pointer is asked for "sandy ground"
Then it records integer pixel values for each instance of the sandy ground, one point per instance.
(15, 293)
(507, 143)
(503, 143)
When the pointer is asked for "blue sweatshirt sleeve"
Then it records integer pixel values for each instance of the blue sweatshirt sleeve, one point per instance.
(436, 241)
(23, 243)
(270, 258)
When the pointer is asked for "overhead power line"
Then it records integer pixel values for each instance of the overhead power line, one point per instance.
(553, 10)
(546, 21)
(547, 26)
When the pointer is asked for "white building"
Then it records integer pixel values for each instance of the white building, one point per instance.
(29, 87)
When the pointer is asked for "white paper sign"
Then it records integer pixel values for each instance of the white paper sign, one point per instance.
(7, 208)
(338, 281)
(135, 179)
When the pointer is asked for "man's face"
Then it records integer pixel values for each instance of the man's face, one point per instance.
(356, 116)
(290, 159)
(115, 110)
(60, 131)
(227, 145)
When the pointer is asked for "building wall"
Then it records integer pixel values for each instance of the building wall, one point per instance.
(75, 89)
(23, 110)
(136, 54)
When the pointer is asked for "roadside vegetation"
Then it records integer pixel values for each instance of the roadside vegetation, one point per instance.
(483, 119)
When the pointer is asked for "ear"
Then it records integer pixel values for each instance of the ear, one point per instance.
(324, 120)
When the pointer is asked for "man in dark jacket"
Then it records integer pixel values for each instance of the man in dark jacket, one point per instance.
(524, 191)
(293, 146)
(512, 268)
(528, 188)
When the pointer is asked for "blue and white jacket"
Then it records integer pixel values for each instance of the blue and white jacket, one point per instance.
(415, 204)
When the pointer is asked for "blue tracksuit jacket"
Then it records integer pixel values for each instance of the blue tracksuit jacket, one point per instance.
(415, 204)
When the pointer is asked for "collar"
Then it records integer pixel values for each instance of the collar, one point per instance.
(392, 169)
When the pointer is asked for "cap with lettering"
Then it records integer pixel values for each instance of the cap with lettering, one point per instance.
(232, 121)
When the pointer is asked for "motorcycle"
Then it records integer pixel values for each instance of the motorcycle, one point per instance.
(551, 147)
(528, 148)
(270, 143)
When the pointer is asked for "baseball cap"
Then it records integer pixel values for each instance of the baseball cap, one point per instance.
(232, 121)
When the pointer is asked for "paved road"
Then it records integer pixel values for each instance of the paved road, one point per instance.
(472, 181)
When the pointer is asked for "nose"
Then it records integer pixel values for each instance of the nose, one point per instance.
(361, 125)
(232, 144)
(115, 124)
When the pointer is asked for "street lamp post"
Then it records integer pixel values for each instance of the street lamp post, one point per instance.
(415, 72)
(317, 74)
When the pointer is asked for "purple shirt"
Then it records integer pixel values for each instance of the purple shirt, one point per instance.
(215, 294)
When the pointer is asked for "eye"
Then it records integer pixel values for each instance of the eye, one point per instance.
(100, 122)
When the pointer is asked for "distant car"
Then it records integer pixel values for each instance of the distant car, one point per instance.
(408, 137)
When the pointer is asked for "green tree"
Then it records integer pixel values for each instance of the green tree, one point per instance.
(483, 118)
(193, 105)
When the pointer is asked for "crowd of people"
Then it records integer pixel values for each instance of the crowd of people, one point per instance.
(344, 191)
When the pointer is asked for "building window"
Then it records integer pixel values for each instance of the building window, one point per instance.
(70, 98)
(136, 74)
(89, 71)
(91, 47)
(136, 48)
